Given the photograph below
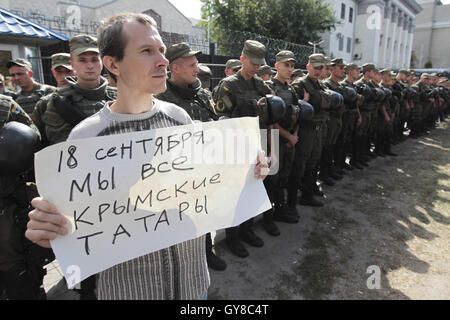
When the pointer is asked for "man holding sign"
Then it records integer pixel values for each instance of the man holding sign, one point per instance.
(133, 53)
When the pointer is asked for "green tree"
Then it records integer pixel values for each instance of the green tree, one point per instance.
(295, 21)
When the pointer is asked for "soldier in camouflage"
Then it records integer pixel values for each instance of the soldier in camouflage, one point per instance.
(312, 132)
(61, 68)
(237, 97)
(288, 129)
(352, 119)
(328, 166)
(30, 90)
(56, 114)
(185, 90)
(369, 112)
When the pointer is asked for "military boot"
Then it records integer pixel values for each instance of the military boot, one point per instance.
(283, 214)
(214, 262)
(268, 224)
(307, 198)
(249, 236)
(233, 242)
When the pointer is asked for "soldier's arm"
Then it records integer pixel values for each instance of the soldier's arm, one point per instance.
(36, 116)
(225, 100)
(16, 113)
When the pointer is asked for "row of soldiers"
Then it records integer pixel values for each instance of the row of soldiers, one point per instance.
(321, 125)
(358, 114)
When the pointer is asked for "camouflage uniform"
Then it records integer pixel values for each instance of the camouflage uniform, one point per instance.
(237, 97)
(56, 114)
(311, 136)
(27, 100)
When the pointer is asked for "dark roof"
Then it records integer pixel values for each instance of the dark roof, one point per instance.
(12, 24)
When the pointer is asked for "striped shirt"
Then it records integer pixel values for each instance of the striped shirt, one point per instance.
(177, 272)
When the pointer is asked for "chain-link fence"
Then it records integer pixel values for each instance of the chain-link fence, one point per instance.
(232, 42)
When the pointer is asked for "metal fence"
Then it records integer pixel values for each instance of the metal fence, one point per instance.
(232, 42)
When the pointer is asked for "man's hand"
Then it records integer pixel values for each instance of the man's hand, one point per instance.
(293, 139)
(45, 224)
(305, 95)
(359, 121)
(262, 166)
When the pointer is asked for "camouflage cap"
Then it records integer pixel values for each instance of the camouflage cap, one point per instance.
(434, 74)
(265, 69)
(337, 62)
(284, 56)
(61, 60)
(412, 71)
(351, 66)
(317, 60)
(425, 76)
(233, 63)
(83, 43)
(204, 71)
(19, 62)
(255, 51)
(328, 61)
(297, 72)
(368, 67)
(443, 80)
(180, 50)
(386, 72)
(403, 71)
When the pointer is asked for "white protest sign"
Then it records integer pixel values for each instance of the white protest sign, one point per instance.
(132, 194)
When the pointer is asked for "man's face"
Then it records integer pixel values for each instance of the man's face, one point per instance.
(88, 66)
(248, 67)
(314, 72)
(60, 74)
(387, 78)
(376, 77)
(231, 71)
(143, 67)
(338, 71)
(326, 72)
(186, 69)
(21, 76)
(285, 69)
(265, 77)
(354, 73)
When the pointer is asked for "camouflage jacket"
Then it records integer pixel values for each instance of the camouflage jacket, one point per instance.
(28, 100)
(195, 100)
(56, 121)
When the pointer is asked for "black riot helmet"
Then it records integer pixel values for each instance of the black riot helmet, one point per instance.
(365, 91)
(18, 142)
(388, 94)
(336, 98)
(350, 96)
(271, 109)
(306, 111)
(378, 94)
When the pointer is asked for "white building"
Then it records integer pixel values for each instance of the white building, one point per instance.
(71, 17)
(376, 31)
(432, 35)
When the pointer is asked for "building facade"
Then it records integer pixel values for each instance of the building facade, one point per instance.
(377, 31)
(72, 17)
(432, 35)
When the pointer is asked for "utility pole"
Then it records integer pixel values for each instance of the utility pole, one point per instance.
(314, 44)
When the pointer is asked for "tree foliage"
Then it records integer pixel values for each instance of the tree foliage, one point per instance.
(296, 21)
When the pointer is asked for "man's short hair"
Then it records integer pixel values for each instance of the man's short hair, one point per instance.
(111, 41)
